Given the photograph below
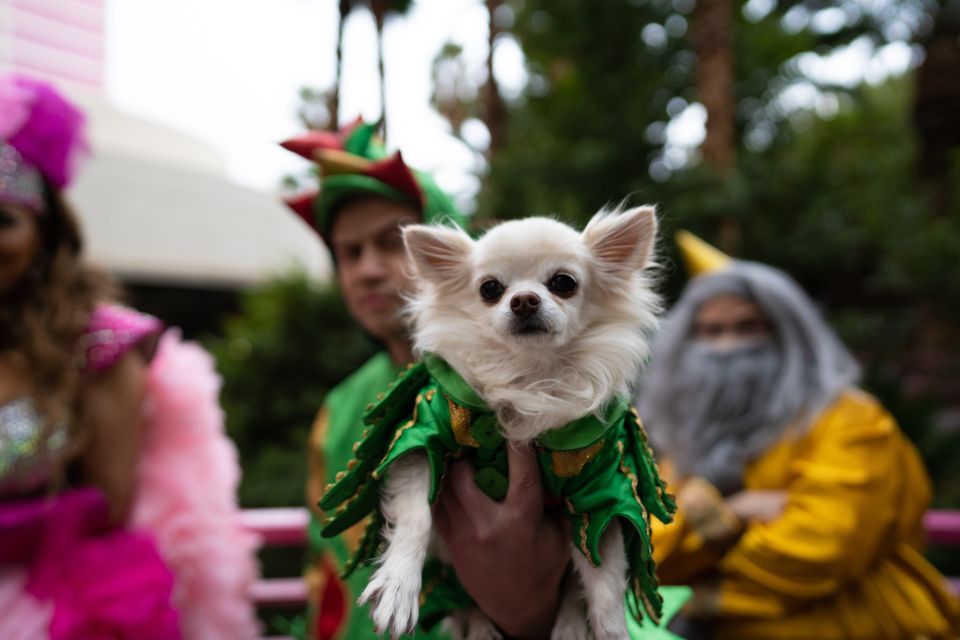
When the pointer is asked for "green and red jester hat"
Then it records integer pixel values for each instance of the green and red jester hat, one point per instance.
(353, 162)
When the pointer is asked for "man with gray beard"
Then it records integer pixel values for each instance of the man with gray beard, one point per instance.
(800, 500)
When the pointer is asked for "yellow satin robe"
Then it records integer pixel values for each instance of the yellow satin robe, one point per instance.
(843, 559)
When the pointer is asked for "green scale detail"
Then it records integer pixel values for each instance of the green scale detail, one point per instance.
(599, 470)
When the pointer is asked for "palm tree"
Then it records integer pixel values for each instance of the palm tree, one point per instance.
(712, 35)
(712, 38)
(494, 110)
(937, 107)
(333, 98)
(381, 9)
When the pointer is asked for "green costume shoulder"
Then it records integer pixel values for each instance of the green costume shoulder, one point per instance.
(598, 469)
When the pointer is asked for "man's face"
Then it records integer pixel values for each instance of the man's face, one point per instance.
(727, 321)
(725, 395)
(371, 262)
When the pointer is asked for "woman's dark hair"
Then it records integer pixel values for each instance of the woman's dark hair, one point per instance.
(48, 310)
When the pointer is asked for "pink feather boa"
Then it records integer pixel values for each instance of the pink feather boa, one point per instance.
(186, 497)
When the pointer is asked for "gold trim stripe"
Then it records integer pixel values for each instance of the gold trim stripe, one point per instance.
(460, 424)
(583, 531)
(567, 464)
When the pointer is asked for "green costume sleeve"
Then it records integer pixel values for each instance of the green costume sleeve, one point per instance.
(353, 490)
(613, 478)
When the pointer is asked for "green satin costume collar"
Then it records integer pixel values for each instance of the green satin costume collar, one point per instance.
(574, 435)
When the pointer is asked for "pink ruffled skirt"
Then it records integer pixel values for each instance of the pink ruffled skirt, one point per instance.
(65, 574)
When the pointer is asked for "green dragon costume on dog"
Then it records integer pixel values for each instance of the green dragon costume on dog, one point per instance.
(598, 469)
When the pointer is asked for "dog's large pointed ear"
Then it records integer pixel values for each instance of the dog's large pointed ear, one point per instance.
(623, 241)
(439, 254)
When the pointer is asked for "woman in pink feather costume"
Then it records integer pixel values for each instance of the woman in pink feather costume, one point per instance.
(118, 517)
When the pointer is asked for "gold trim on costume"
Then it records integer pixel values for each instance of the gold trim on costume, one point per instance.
(334, 162)
(460, 424)
(583, 531)
(567, 464)
(346, 504)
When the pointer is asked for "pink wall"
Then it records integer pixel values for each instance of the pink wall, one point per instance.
(61, 40)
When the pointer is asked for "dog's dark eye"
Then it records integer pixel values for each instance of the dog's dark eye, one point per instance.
(491, 290)
(563, 285)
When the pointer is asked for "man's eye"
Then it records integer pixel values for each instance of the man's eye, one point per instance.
(491, 290)
(562, 284)
(752, 327)
(708, 330)
(348, 254)
(393, 241)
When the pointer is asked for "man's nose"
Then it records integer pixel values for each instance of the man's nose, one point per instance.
(524, 304)
(372, 264)
(726, 341)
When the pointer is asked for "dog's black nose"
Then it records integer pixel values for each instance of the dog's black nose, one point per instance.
(524, 304)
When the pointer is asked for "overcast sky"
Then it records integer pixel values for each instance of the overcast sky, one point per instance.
(229, 71)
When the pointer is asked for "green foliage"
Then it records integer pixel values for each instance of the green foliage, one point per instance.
(833, 200)
(290, 345)
(580, 136)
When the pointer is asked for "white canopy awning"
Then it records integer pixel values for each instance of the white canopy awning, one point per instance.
(156, 207)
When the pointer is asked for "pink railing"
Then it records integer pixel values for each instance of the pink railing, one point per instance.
(279, 528)
(943, 527)
(288, 527)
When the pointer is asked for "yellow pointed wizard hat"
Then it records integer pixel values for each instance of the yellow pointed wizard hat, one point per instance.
(698, 256)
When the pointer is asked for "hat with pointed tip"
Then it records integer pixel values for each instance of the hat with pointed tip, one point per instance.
(698, 256)
(353, 162)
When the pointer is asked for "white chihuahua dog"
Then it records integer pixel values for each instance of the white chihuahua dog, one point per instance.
(547, 325)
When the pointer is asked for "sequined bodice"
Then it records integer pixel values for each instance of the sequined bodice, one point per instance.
(28, 455)
(31, 454)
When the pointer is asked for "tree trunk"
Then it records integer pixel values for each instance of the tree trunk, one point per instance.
(379, 9)
(494, 110)
(712, 39)
(333, 106)
(937, 109)
(712, 36)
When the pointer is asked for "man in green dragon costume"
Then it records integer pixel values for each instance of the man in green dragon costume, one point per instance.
(365, 195)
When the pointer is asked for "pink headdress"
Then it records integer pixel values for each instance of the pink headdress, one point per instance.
(41, 135)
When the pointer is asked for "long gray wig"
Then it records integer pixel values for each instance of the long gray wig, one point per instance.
(712, 414)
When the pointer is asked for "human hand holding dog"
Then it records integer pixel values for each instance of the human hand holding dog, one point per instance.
(510, 556)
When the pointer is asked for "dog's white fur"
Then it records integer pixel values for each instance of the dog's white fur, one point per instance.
(590, 349)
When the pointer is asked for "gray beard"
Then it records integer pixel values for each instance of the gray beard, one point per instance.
(727, 412)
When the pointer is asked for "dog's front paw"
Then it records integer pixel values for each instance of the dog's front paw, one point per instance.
(394, 601)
